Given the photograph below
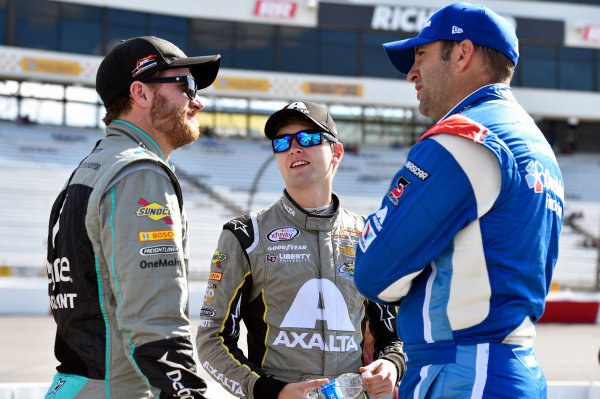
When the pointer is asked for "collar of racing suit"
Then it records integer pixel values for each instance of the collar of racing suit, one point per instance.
(119, 127)
(307, 221)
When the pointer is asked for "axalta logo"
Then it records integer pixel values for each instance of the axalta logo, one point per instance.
(288, 209)
(157, 235)
(154, 211)
(143, 64)
(327, 343)
(298, 106)
(307, 309)
(283, 234)
(318, 299)
(230, 384)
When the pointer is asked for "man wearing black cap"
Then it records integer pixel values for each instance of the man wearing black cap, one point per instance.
(287, 270)
(470, 238)
(117, 240)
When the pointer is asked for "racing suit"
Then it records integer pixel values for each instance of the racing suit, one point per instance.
(466, 241)
(117, 269)
(289, 276)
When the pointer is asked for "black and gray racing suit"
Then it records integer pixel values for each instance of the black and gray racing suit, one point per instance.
(289, 276)
(117, 270)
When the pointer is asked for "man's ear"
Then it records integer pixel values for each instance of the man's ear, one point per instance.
(464, 54)
(338, 153)
(141, 94)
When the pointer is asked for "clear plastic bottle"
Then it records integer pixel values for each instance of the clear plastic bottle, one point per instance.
(346, 386)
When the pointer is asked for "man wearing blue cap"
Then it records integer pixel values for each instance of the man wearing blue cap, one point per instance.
(466, 239)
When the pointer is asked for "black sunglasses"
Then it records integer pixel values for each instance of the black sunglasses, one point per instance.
(306, 138)
(190, 91)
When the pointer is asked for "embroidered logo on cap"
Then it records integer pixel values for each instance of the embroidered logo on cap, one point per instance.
(143, 64)
(456, 30)
(298, 106)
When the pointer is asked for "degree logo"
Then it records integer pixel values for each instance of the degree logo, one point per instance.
(154, 211)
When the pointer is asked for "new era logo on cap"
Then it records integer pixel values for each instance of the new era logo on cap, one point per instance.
(456, 30)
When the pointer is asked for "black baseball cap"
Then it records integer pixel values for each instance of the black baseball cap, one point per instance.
(140, 57)
(303, 109)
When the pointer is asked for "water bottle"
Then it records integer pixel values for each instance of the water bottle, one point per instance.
(346, 386)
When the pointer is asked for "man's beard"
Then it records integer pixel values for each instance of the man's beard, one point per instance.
(172, 122)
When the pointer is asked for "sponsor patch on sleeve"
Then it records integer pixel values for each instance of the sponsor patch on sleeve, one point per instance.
(154, 211)
(395, 193)
(416, 170)
(218, 257)
(157, 235)
(216, 276)
(367, 236)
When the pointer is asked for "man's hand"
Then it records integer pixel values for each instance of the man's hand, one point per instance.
(298, 390)
(383, 380)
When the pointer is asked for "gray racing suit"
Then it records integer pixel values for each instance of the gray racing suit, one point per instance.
(289, 276)
(117, 270)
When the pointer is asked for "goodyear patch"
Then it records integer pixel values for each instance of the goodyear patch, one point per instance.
(157, 235)
(154, 211)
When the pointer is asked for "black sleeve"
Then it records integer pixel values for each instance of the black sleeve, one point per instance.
(170, 365)
(387, 345)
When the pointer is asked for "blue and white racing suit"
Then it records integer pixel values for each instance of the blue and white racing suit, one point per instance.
(465, 243)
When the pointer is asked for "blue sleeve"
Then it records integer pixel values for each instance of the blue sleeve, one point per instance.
(429, 201)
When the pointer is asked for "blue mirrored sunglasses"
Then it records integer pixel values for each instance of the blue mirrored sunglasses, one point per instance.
(190, 90)
(306, 138)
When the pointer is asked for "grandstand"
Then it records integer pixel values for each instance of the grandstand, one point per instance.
(218, 176)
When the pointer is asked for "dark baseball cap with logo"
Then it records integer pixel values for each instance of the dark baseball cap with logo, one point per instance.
(141, 57)
(312, 112)
(458, 22)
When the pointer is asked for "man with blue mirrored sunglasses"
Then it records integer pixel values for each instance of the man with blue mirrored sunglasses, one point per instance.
(287, 271)
(306, 138)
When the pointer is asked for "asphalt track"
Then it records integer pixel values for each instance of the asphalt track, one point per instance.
(567, 352)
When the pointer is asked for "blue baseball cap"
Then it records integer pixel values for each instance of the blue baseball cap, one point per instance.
(458, 21)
